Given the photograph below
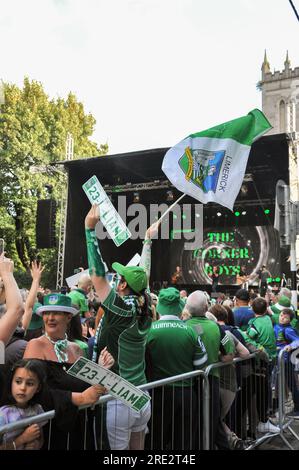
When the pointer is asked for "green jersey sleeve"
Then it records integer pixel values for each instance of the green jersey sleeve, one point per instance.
(252, 332)
(200, 354)
(228, 344)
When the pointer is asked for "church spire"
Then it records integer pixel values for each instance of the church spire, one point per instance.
(266, 65)
(287, 63)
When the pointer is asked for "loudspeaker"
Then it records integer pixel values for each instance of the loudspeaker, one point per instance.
(45, 229)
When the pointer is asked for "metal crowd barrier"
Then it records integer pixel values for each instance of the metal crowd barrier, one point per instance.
(259, 384)
(151, 387)
(233, 406)
(183, 421)
(198, 422)
(285, 369)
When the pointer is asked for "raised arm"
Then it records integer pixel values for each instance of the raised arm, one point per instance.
(145, 261)
(95, 262)
(13, 299)
(36, 272)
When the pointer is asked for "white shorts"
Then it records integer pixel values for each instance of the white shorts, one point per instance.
(121, 421)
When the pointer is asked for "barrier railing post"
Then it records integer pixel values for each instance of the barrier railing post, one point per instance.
(208, 405)
(284, 422)
(281, 389)
(206, 413)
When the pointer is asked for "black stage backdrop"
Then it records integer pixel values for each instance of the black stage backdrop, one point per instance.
(268, 162)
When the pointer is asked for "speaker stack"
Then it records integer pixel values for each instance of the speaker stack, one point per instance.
(46, 223)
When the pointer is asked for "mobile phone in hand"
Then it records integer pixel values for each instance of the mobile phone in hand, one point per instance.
(1, 246)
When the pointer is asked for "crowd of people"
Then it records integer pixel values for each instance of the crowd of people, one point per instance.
(143, 337)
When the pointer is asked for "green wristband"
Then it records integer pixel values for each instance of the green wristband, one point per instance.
(95, 262)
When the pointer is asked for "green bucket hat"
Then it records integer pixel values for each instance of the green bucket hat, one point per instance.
(36, 321)
(284, 301)
(57, 303)
(170, 302)
(135, 276)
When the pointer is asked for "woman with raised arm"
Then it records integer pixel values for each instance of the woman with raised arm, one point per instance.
(30, 319)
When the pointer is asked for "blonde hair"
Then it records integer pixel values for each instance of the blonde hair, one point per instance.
(84, 281)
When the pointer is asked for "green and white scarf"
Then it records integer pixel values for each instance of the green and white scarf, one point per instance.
(60, 348)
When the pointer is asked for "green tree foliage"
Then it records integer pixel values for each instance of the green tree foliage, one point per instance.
(33, 131)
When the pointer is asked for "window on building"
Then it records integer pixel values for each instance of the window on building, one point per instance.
(282, 116)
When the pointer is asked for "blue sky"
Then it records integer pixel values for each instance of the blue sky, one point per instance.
(150, 71)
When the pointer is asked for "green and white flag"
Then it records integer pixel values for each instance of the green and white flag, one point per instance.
(210, 165)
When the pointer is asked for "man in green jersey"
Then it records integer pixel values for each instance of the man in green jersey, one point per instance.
(173, 348)
(219, 347)
(123, 330)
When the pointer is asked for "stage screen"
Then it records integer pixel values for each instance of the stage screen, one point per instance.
(228, 249)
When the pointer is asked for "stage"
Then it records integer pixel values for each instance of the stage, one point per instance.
(228, 290)
(230, 239)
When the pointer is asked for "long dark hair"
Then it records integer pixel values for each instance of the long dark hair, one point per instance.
(74, 330)
(34, 366)
(144, 302)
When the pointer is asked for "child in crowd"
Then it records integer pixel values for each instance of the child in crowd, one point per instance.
(22, 402)
(260, 333)
(287, 338)
(260, 329)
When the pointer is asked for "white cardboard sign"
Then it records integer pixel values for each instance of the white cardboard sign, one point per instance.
(109, 216)
(94, 374)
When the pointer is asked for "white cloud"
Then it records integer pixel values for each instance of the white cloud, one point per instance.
(150, 71)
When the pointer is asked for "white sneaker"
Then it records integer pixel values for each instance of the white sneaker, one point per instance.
(267, 427)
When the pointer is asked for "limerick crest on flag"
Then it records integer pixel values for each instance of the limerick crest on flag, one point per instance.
(202, 167)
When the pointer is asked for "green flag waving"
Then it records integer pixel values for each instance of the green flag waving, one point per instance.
(210, 165)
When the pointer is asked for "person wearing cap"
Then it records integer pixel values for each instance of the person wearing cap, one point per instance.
(79, 294)
(219, 347)
(56, 354)
(123, 329)
(35, 327)
(173, 348)
(283, 302)
(242, 310)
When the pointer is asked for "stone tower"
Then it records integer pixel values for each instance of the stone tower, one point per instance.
(280, 103)
(280, 97)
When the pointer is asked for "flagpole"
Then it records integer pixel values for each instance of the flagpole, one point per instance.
(170, 208)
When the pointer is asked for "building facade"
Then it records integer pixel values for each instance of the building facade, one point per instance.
(280, 97)
(280, 103)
